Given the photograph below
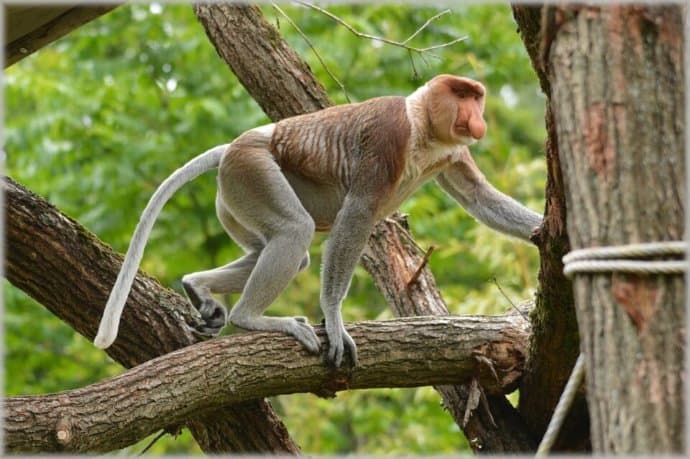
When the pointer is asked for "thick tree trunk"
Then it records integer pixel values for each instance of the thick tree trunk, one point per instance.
(170, 389)
(281, 68)
(554, 344)
(618, 83)
(61, 265)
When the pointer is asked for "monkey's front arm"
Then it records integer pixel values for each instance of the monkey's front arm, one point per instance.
(349, 235)
(468, 186)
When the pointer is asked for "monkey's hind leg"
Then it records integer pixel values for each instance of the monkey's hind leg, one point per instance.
(257, 194)
(227, 279)
(230, 278)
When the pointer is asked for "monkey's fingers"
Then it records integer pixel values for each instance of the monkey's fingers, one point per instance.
(305, 334)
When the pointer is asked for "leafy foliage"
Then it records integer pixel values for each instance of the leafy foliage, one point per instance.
(98, 119)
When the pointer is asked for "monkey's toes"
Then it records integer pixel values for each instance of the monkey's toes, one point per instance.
(337, 349)
(214, 315)
(204, 332)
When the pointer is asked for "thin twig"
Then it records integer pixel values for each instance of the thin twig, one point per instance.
(500, 289)
(442, 45)
(424, 26)
(405, 233)
(415, 74)
(158, 437)
(487, 409)
(423, 58)
(318, 56)
(425, 260)
(388, 41)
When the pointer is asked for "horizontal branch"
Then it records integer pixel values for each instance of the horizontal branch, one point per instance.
(168, 390)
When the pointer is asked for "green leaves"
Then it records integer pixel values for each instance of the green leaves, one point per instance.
(98, 119)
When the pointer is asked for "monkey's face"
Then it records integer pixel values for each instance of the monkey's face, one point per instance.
(456, 109)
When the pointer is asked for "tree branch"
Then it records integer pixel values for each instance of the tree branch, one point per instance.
(401, 44)
(166, 391)
(60, 20)
(61, 264)
(271, 72)
(390, 245)
(393, 259)
(313, 48)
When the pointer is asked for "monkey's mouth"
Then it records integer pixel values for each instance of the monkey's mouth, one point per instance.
(463, 131)
(467, 140)
(465, 135)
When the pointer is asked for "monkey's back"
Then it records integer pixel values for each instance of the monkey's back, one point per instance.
(327, 146)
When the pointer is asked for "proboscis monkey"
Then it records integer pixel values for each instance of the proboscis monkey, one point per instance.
(341, 169)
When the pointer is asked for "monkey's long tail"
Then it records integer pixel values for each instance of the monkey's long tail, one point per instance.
(107, 330)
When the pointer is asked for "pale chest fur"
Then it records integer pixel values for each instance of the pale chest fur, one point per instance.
(423, 164)
(420, 167)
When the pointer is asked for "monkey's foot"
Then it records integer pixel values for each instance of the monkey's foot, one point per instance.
(298, 327)
(338, 342)
(214, 316)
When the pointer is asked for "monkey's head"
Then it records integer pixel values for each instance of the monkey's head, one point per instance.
(456, 109)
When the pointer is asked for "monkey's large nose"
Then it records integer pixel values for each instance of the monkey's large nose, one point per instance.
(477, 127)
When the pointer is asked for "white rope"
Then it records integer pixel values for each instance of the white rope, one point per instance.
(626, 266)
(610, 259)
(562, 407)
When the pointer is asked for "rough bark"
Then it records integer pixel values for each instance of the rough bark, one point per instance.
(168, 390)
(400, 272)
(25, 37)
(245, 28)
(271, 72)
(239, 46)
(618, 83)
(61, 265)
(554, 344)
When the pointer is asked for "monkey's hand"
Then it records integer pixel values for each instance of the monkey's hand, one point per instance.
(338, 341)
(304, 333)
